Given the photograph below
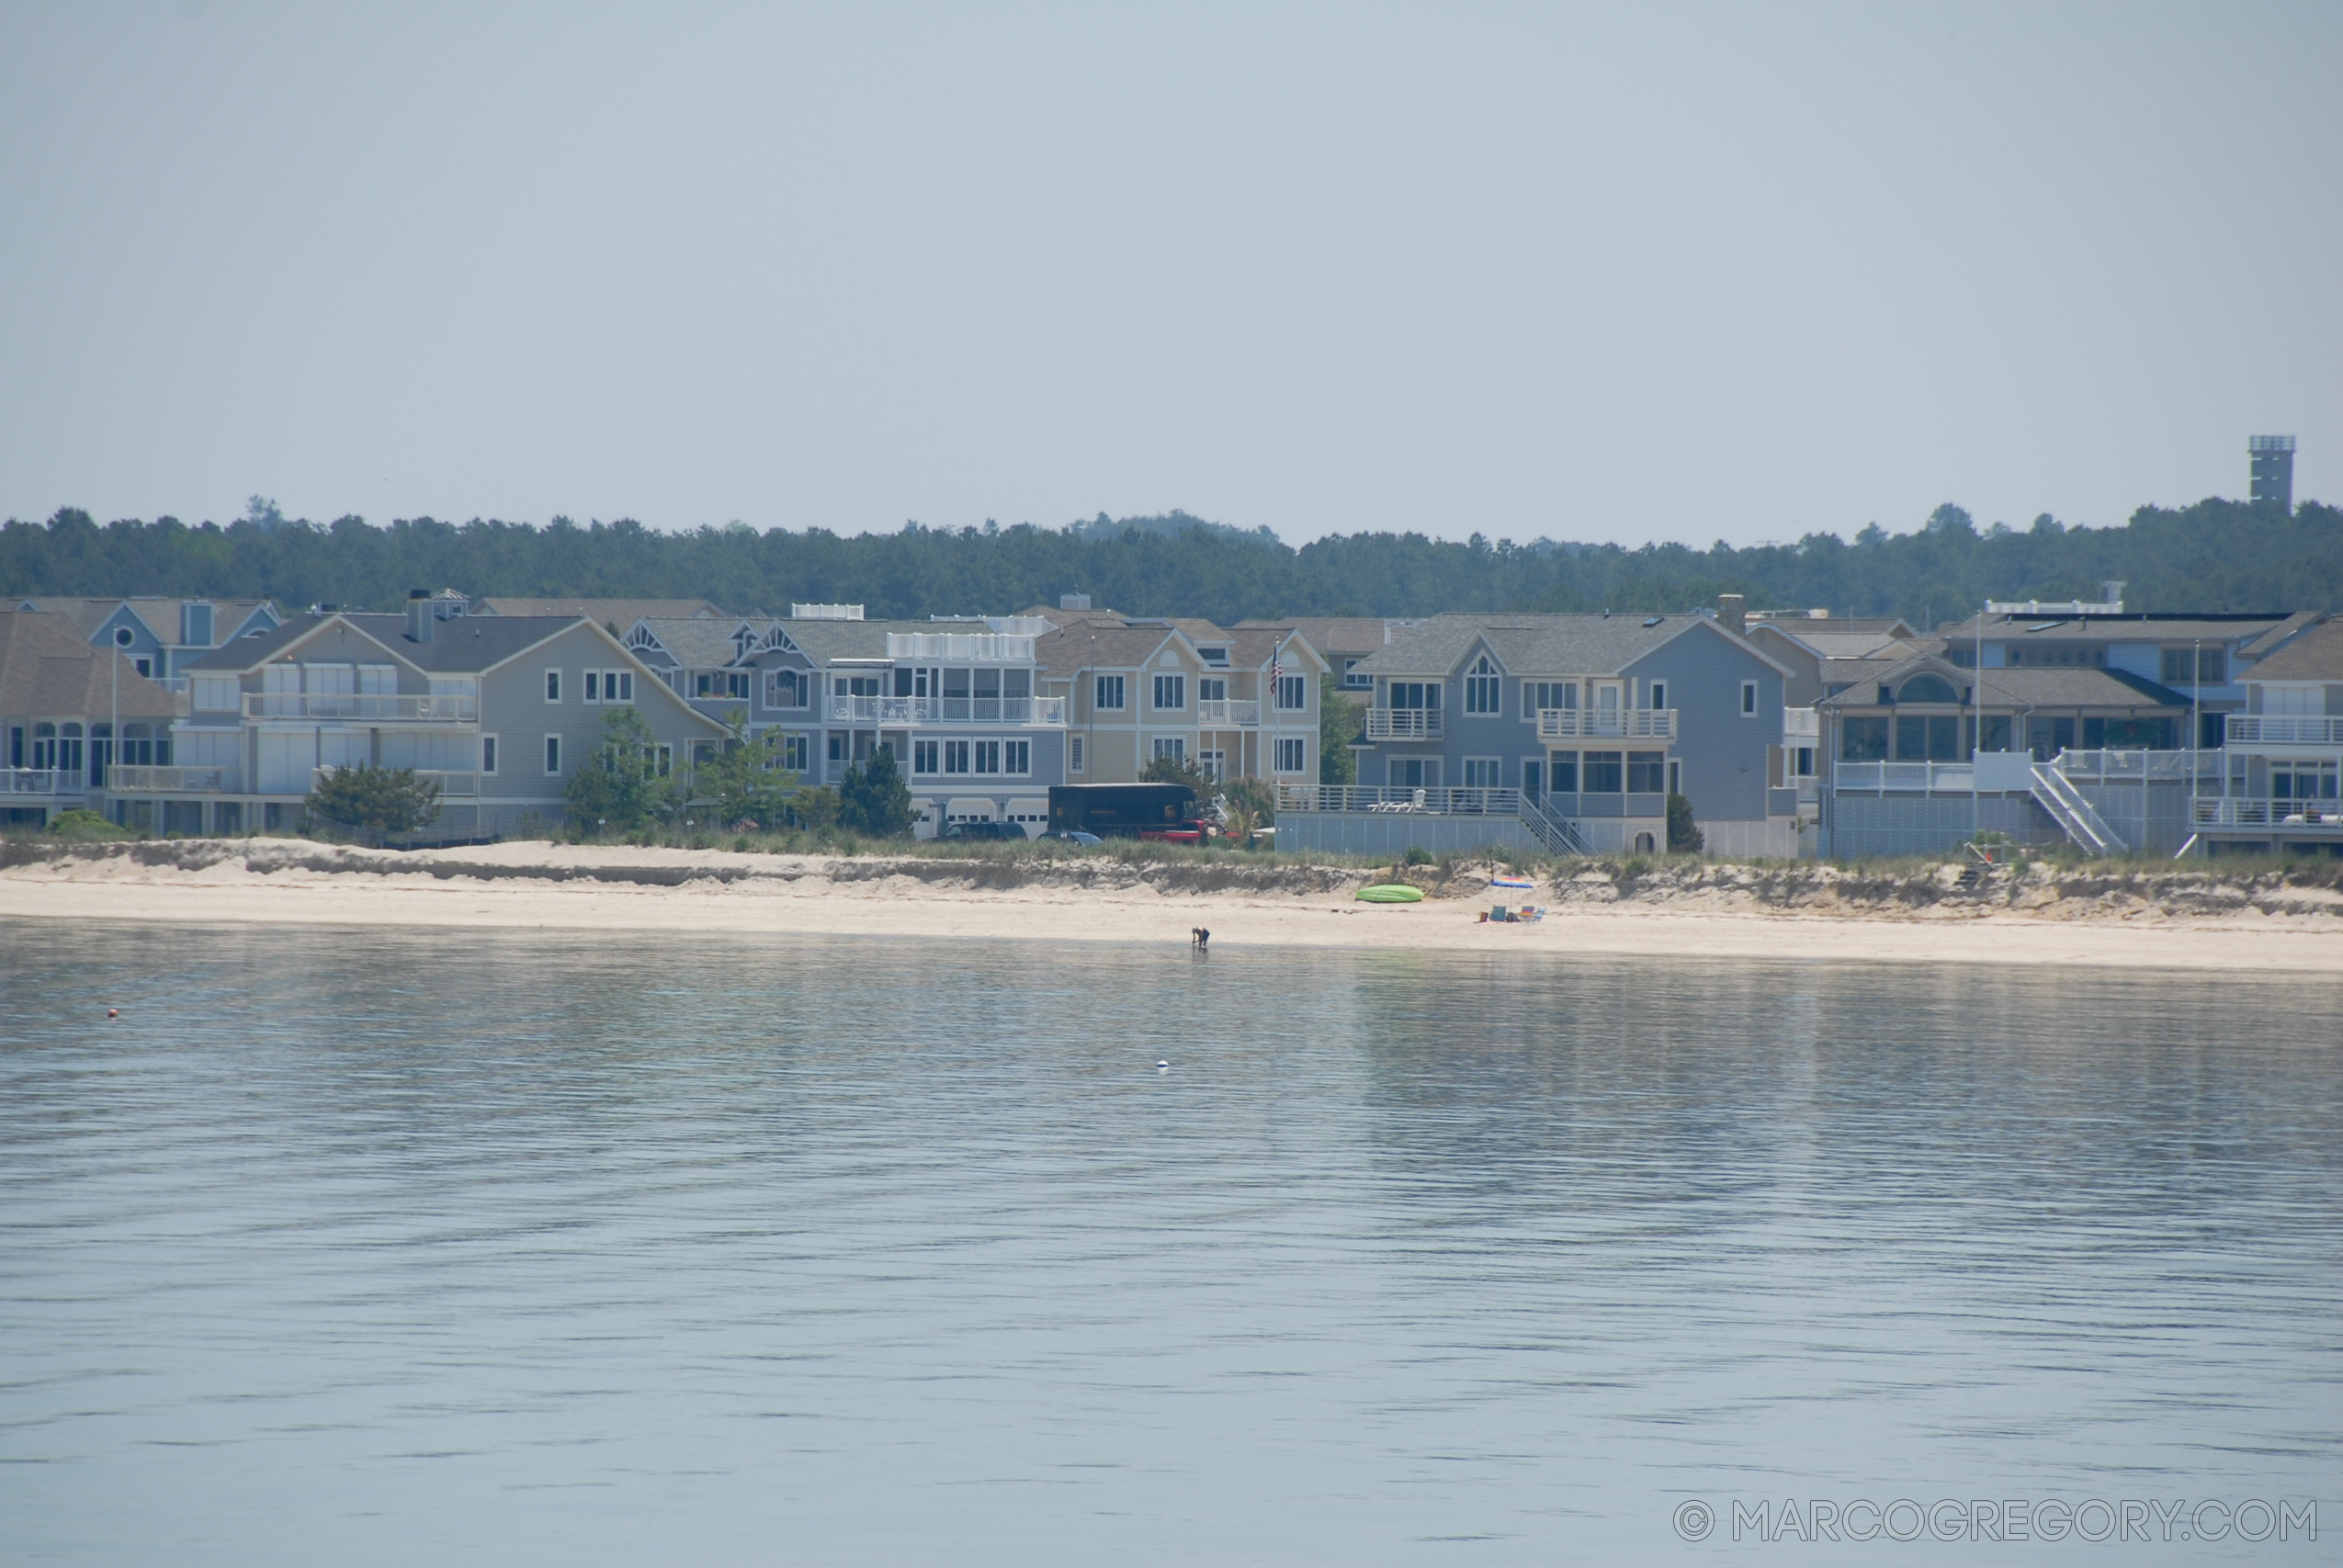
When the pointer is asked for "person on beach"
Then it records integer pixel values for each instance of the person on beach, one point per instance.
(1199, 938)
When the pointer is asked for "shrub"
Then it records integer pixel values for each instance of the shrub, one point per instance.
(373, 802)
(1685, 836)
(83, 825)
(1416, 855)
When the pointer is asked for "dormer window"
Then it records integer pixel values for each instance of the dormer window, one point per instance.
(1219, 656)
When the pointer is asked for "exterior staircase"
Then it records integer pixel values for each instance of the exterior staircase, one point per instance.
(1556, 832)
(2056, 794)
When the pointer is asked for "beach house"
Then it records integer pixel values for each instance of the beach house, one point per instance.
(162, 637)
(2276, 788)
(958, 702)
(498, 709)
(1562, 732)
(62, 701)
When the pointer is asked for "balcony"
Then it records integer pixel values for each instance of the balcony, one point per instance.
(130, 779)
(1606, 724)
(1403, 723)
(1398, 798)
(2216, 811)
(1801, 726)
(2284, 730)
(40, 781)
(946, 710)
(1227, 712)
(362, 707)
(453, 785)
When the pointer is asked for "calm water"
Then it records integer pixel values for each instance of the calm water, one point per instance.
(358, 1249)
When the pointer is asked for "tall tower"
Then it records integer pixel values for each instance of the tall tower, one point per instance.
(2273, 469)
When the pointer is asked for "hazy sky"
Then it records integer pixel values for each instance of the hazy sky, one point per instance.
(1734, 271)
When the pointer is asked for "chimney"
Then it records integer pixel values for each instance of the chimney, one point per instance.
(1073, 601)
(1730, 609)
(2112, 593)
(421, 621)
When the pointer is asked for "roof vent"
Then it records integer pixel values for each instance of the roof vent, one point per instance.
(1655, 620)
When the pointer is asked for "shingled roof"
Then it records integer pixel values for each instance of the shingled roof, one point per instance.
(45, 669)
(1538, 644)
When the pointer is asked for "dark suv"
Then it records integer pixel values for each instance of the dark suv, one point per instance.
(1012, 832)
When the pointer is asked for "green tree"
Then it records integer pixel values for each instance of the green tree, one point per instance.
(376, 802)
(816, 806)
(1685, 836)
(628, 783)
(747, 780)
(1339, 722)
(1177, 770)
(874, 799)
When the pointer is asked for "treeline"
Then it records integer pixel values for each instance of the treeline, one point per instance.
(2216, 555)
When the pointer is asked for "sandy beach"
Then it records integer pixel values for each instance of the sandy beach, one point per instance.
(615, 888)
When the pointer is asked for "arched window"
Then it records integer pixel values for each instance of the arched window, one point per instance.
(1928, 689)
(1482, 684)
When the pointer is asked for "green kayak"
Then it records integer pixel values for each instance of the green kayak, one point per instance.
(1391, 893)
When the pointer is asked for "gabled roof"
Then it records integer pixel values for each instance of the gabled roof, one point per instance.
(2277, 636)
(2316, 654)
(700, 642)
(465, 646)
(1342, 636)
(47, 669)
(1543, 645)
(2048, 686)
(1103, 644)
(157, 612)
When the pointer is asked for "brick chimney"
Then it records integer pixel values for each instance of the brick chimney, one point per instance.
(1732, 609)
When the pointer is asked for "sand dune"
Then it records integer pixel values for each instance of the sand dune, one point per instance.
(1103, 900)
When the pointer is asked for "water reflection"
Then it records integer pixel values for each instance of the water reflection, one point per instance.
(368, 1246)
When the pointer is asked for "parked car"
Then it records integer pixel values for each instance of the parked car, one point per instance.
(1010, 832)
(1073, 836)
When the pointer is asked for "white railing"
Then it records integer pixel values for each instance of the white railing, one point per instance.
(946, 710)
(1801, 726)
(960, 647)
(2214, 811)
(2066, 806)
(40, 781)
(1403, 723)
(1606, 724)
(1228, 711)
(379, 708)
(453, 785)
(1993, 771)
(2130, 767)
(2284, 730)
(1373, 797)
(130, 779)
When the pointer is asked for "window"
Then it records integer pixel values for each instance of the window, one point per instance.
(837, 745)
(1075, 756)
(1354, 679)
(1211, 765)
(956, 756)
(1292, 695)
(1748, 699)
(988, 756)
(796, 753)
(552, 755)
(552, 687)
(1540, 695)
(609, 686)
(1415, 772)
(1210, 689)
(1107, 694)
(1928, 689)
(1562, 771)
(1863, 740)
(1213, 655)
(1675, 777)
(1482, 773)
(488, 753)
(784, 689)
(927, 757)
(2185, 667)
(1805, 765)
(1533, 776)
(1646, 772)
(1171, 693)
(663, 760)
(1658, 695)
(1482, 687)
(1171, 746)
(1415, 694)
(1292, 756)
(143, 666)
(1016, 756)
(1603, 773)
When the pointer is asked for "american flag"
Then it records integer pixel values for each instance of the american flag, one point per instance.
(1276, 673)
